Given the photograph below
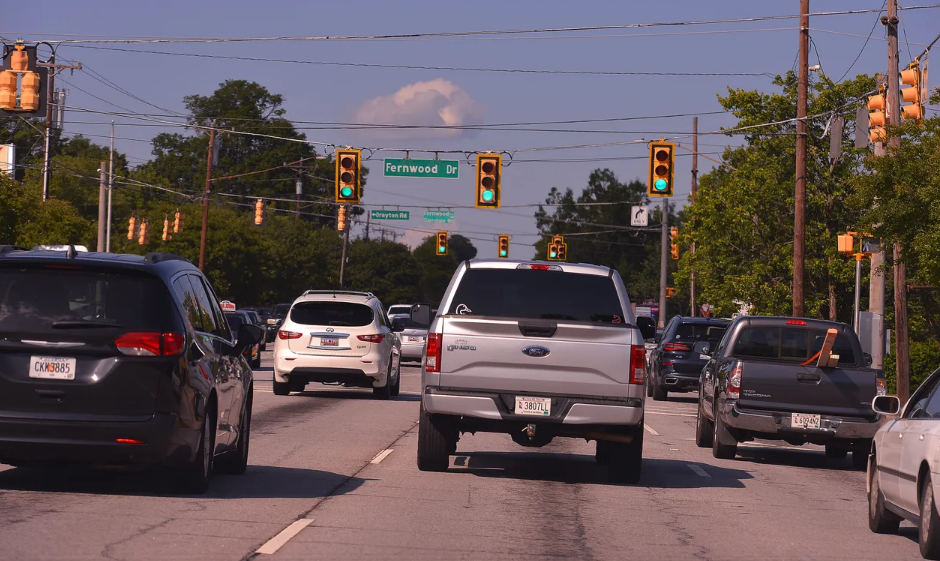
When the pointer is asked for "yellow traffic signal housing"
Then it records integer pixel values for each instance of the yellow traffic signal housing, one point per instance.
(19, 70)
(341, 218)
(348, 182)
(177, 223)
(553, 251)
(674, 242)
(670, 292)
(144, 238)
(912, 94)
(846, 243)
(131, 227)
(166, 229)
(662, 158)
(259, 212)
(488, 180)
(503, 247)
(674, 250)
(442, 243)
(876, 116)
(562, 251)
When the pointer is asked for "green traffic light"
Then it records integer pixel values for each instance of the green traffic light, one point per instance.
(502, 254)
(346, 191)
(487, 196)
(442, 249)
(660, 184)
(554, 255)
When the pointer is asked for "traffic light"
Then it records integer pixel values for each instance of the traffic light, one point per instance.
(259, 212)
(144, 238)
(19, 67)
(674, 242)
(131, 227)
(488, 170)
(503, 246)
(347, 175)
(876, 116)
(553, 251)
(341, 218)
(557, 249)
(166, 229)
(662, 157)
(913, 94)
(670, 292)
(442, 243)
(562, 251)
(177, 222)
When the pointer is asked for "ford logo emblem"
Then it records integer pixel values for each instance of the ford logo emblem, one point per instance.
(537, 352)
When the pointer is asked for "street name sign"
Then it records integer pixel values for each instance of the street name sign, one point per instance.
(390, 215)
(446, 169)
(439, 216)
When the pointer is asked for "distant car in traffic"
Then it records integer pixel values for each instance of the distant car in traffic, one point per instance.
(255, 318)
(274, 321)
(120, 360)
(676, 362)
(400, 310)
(252, 352)
(763, 380)
(413, 337)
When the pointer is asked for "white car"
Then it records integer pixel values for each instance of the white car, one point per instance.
(904, 466)
(413, 337)
(337, 337)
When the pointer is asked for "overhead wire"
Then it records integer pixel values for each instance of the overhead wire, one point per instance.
(867, 39)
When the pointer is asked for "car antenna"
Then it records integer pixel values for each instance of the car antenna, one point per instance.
(71, 253)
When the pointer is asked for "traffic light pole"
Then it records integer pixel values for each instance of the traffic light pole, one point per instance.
(342, 263)
(205, 201)
(799, 210)
(694, 188)
(48, 139)
(102, 207)
(663, 263)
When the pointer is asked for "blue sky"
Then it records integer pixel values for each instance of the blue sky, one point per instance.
(335, 93)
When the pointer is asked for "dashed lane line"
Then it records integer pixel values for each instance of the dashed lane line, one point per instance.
(650, 430)
(698, 470)
(277, 542)
(381, 456)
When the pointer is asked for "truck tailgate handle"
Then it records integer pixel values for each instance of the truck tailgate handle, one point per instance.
(808, 378)
(537, 329)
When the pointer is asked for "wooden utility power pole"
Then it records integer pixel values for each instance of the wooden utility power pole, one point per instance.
(799, 200)
(205, 200)
(102, 207)
(694, 188)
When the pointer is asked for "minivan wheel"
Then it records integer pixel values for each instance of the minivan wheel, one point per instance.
(194, 478)
(929, 530)
(235, 462)
(625, 461)
(880, 521)
(434, 443)
(281, 388)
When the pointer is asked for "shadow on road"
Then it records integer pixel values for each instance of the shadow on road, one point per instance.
(690, 398)
(259, 482)
(809, 458)
(355, 394)
(575, 468)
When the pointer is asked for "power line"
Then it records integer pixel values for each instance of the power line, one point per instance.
(867, 39)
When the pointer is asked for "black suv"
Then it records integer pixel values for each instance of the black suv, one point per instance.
(677, 361)
(112, 359)
(275, 320)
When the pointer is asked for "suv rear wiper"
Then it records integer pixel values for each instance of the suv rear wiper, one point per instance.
(83, 324)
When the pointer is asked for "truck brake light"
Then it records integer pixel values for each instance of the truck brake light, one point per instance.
(432, 362)
(734, 381)
(637, 364)
(795, 322)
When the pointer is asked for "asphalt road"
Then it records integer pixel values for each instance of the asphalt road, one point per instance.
(338, 469)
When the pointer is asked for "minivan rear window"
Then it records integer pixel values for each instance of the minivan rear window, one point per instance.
(533, 294)
(38, 300)
(340, 314)
(790, 344)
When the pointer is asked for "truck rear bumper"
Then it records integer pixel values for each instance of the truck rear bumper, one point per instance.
(758, 423)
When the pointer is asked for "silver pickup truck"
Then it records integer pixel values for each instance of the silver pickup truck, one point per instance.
(537, 351)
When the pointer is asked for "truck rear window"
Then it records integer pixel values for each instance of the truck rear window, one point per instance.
(529, 294)
(343, 314)
(790, 344)
(56, 300)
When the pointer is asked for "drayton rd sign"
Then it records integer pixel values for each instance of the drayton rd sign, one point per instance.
(446, 169)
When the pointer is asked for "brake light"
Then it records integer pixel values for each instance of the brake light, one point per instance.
(535, 267)
(637, 364)
(372, 338)
(676, 347)
(144, 343)
(734, 381)
(288, 335)
(128, 441)
(795, 322)
(432, 361)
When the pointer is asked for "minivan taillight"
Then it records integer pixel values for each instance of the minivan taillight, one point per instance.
(288, 335)
(372, 338)
(734, 381)
(432, 362)
(637, 364)
(676, 347)
(145, 343)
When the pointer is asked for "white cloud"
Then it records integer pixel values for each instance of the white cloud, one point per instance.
(434, 103)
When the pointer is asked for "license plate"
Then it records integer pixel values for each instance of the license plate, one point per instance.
(536, 406)
(804, 421)
(415, 339)
(329, 342)
(52, 368)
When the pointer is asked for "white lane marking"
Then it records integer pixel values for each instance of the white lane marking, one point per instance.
(670, 414)
(265, 391)
(698, 470)
(381, 456)
(650, 430)
(277, 542)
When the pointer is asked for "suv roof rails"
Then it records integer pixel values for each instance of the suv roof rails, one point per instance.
(335, 292)
(155, 257)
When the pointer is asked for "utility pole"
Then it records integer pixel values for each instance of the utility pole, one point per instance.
(368, 218)
(205, 200)
(799, 211)
(48, 140)
(342, 263)
(107, 245)
(102, 204)
(60, 108)
(694, 188)
(876, 285)
(663, 263)
(300, 190)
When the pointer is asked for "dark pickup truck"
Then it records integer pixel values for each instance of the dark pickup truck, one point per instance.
(763, 380)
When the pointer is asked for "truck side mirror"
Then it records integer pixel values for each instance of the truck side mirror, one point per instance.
(868, 359)
(421, 314)
(647, 327)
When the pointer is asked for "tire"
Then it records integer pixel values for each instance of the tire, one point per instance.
(859, 459)
(625, 461)
(832, 451)
(602, 452)
(659, 394)
(719, 450)
(880, 521)
(434, 443)
(396, 387)
(281, 388)
(194, 478)
(236, 461)
(929, 530)
(649, 387)
(704, 430)
(256, 363)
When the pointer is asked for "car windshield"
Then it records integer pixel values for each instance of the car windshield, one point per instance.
(344, 314)
(699, 331)
(399, 310)
(524, 293)
(52, 300)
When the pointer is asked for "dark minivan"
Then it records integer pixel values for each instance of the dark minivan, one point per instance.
(677, 361)
(120, 360)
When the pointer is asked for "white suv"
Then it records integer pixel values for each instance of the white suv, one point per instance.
(337, 337)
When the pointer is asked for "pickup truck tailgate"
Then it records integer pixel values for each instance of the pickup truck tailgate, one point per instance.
(536, 356)
(791, 387)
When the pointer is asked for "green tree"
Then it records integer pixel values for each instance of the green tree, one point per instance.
(27, 221)
(437, 270)
(385, 268)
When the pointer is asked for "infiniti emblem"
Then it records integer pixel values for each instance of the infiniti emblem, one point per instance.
(330, 330)
(537, 352)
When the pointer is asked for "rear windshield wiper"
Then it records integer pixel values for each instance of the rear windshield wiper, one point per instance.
(83, 324)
